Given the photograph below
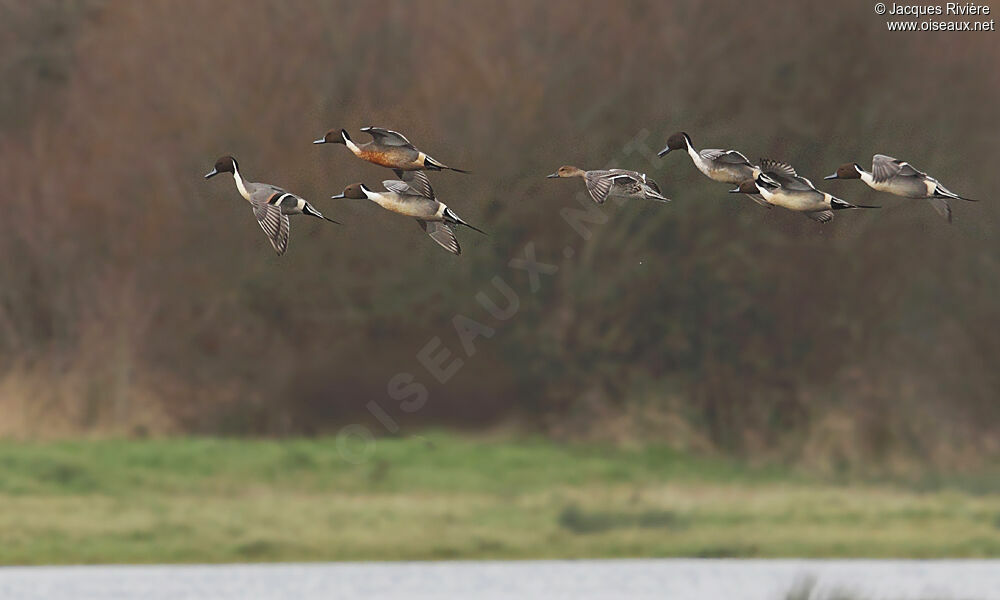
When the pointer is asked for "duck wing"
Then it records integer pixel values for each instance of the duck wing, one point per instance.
(442, 233)
(416, 185)
(388, 137)
(885, 168)
(274, 223)
(942, 206)
(731, 157)
(624, 177)
(784, 174)
(599, 184)
(777, 168)
(418, 181)
(823, 216)
(287, 202)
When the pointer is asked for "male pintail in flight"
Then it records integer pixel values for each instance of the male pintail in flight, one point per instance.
(780, 185)
(415, 198)
(724, 166)
(388, 148)
(902, 179)
(271, 204)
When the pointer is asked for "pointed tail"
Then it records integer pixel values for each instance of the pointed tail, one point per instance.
(312, 212)
(942, 192)
(435, 165)
(474, 228)
(457, 220)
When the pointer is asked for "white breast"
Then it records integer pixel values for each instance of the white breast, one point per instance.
(802, 201)
(702, 165)
(398, 205)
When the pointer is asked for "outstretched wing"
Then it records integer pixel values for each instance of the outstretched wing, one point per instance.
(942, 206)
(442, 233)
(777, 168)
(416, 185)
(885, 168)
(784, 174)
(388, 137)
(599, 184)
(274, 224)
(731, 157)
(823, 216)
(419, 182)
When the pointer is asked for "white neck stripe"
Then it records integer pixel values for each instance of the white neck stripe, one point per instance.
(239, 183)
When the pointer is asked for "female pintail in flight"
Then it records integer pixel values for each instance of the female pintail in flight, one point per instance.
(415, 198)
(902, 179)
(271, 204)
(780, 185)
(614, 183)
(388, 148)
(725, 166)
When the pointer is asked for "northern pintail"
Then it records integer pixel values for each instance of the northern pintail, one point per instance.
(725, 166)
(388, 148)
(415, 198)
(271, 204)
(614, 183)
(902, 179)
(780, 185)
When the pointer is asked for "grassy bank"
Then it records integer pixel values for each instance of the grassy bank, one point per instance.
(443, 497)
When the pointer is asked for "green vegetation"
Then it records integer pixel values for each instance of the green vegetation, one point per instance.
(447, 497)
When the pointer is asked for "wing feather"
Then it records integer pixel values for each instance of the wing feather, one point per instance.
(777, 168)
(731, 157)
(274, 223)
(419, 182)
(885, 168)
(442, 233)
(388, 137)
(599, 184)
(823, 216)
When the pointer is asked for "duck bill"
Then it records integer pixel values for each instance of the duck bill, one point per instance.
(338, 197)
(834, 176)
(552, 176)
(211, 174)
(664, 152)
(735, 191)
(320, 141)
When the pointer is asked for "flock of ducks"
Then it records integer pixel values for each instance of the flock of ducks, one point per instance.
(775, 183)
(411, 195)
(770, 183)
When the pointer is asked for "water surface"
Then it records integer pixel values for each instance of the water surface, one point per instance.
(638, 579)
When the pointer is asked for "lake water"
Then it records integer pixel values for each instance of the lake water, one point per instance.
(634, 579)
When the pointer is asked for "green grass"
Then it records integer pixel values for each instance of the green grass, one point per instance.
(444, 496)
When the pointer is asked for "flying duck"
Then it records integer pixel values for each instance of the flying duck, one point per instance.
(725, 166)
(614, 183)
(388, 148)
(271, 204)
(902, 179)
(415, 198)
(780, 185)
